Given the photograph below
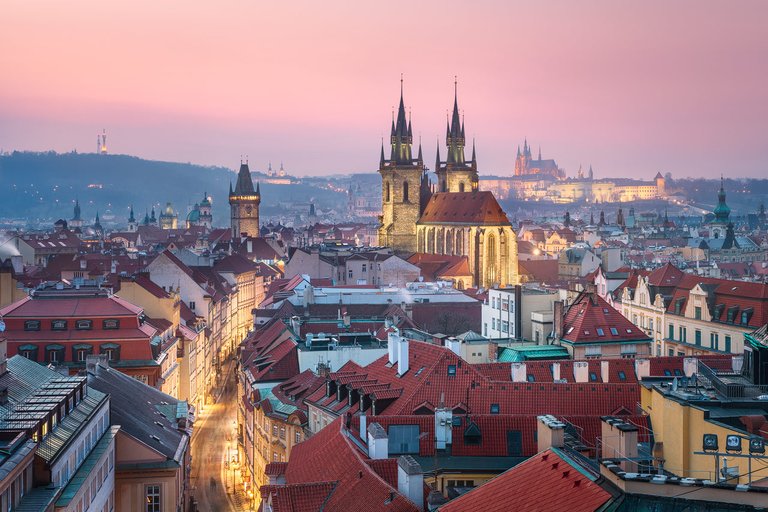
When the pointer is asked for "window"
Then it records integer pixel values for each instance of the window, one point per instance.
(671, 331)
(110, 324)
(282, 432)
(650, 324)
(350, 274)
(504, 326)
(622, 375)
(697, 312)
(697, 337)
(683, 333)
(192, 305)
(405, 191)
(84, 325)
(111, 350)
(297, 437)
(403, 439)
(493, 324)
(714, 341)
(274, 429)
(629, 350)
(365, 268)
(54, 353)
(614, 331)
(600, 331)
(592, 377)
(451, 369)
(153, 498)
(32, 325)
(58, 325)
(727, 347)
(530, 377)
(494, 408)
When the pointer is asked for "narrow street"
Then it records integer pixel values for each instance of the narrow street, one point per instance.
(212, 439)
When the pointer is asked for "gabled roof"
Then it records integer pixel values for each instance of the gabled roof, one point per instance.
(475, 208)
(590, 319)
(330, 456)
(547, 481)
(143, 412)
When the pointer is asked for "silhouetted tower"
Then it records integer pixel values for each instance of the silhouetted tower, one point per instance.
(132, 224)
(620, 218)
(567, 220)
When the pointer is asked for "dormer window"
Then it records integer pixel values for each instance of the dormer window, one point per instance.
(451, 370)
(32, 325)
(84, 325)
(58, 325)
(111, 324)
(495, 408)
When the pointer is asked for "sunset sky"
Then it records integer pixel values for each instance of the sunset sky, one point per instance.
(631, 87)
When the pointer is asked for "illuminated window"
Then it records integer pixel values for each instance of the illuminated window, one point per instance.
(152, 493)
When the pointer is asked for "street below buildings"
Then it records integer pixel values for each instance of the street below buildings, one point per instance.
(212, 443)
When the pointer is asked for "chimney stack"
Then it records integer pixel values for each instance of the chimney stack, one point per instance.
(402, 356)
(605, 367)
(619, 442)
(642, 368)
(378, 442)
(558, 315)
(550, 433)
(519, 372)
(393, 339)
(581, 371)
(555, 372)
(410, 480)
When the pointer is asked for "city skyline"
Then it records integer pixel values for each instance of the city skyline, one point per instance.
(631, 90)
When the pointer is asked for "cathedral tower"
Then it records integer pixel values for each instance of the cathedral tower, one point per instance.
(456, 174)
(404, 186)
(244, 204)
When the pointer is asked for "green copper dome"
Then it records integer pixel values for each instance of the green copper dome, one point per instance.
(722, 211)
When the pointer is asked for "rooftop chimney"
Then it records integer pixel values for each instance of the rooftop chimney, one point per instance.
(410, 480)
(642, 368)
(402, 356)
(443, 428)
(519, 372)
(690, 366)
(550, 433)
(378, 442)
(581, 371)
(605, 373)
(619, 442)
(392, 341)
(555, 372)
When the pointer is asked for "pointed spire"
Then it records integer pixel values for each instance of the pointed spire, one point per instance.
(382, 159)
(518, 150)
(131, 218)
(420, 157)
(230, 188)
(258, 189)
(539, 152)
(474, 158)
(437, 159)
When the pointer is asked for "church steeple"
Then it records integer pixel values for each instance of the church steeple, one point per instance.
(401, 138)
(722, 210)
(244, 203)
(456, 174)
(131, 218)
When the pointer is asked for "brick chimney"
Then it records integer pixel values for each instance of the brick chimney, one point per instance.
(605, 373)
(402, 356)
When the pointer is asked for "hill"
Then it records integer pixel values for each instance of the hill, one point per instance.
(40, 187)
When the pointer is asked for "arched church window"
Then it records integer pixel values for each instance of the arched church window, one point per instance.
(461, 186)
(405, 191)
(387, 192)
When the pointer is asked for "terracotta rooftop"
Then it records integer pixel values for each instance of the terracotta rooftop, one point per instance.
(547, 481)
(474, 208)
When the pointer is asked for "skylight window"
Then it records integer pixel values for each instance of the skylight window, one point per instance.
(451, 369)
(622, 375)
(629, 330)
(600, 331)
(614, 331)
(570, 330)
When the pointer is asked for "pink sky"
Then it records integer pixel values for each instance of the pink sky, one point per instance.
(631, 87)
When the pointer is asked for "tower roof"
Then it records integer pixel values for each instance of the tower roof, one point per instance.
(722, 210)
(244, 185)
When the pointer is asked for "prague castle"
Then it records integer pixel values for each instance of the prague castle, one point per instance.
(457, 220)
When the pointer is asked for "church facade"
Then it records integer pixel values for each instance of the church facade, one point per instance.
(457, 219)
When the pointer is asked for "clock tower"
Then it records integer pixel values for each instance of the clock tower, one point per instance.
(244, 205)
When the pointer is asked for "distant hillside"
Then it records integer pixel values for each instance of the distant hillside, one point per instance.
(43, 186)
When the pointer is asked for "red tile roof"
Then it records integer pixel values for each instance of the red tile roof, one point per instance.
(476, 208)
(544, 482)
(590, 315)
(331, 456)
(85, 307)
(309, 497)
